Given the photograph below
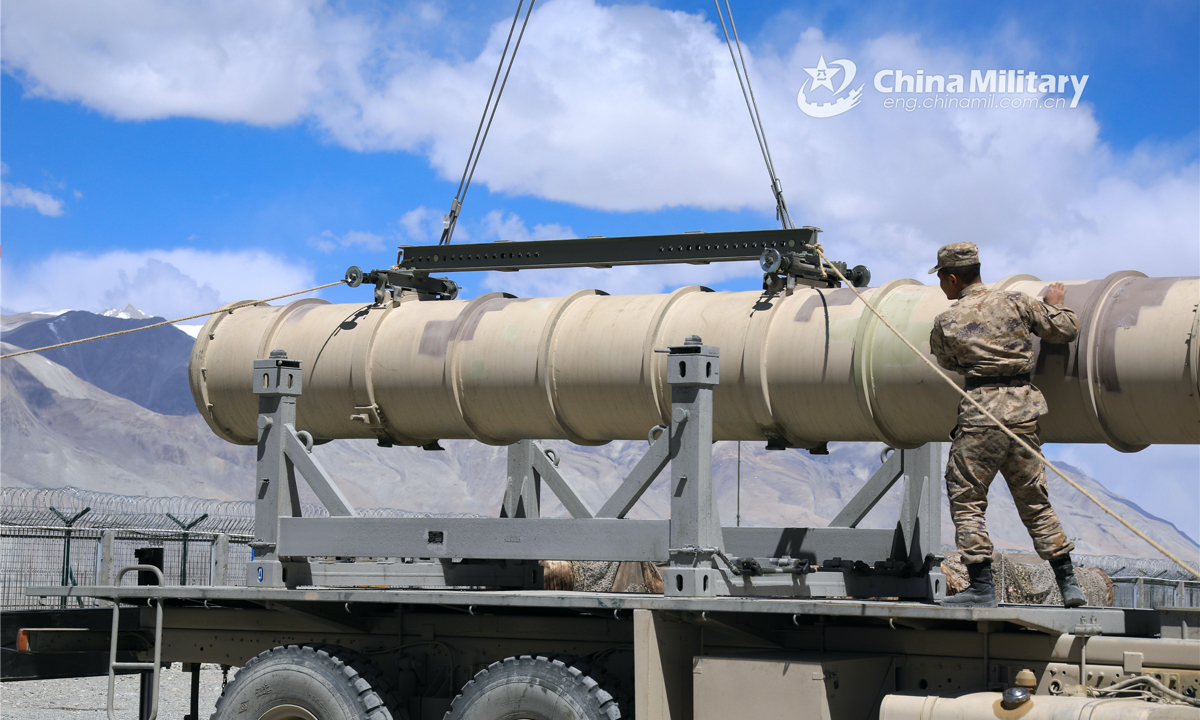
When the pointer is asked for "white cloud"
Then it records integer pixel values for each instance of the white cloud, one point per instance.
(226, 60)
(25, 197)
(167, 283)
(619, 108)
(637, 108)
(22, 196)
(327, 242)
(498, 226)
(421, 225)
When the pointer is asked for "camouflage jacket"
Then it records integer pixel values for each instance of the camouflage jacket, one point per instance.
(990, 333)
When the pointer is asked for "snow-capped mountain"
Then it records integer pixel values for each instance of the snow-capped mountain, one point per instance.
(129, 312)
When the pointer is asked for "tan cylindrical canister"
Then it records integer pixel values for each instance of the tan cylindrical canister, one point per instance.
(1036, 707)
(803, 368)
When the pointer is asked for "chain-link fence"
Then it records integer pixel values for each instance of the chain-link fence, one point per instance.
(61, 537)
(58, 537)
(42, 556)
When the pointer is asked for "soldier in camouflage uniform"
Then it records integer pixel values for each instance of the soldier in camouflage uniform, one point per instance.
(987, 335)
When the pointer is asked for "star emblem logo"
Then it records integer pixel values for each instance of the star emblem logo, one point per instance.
(822, 75)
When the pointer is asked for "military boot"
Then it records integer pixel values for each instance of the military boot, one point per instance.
(1064, 573)
(982, 591)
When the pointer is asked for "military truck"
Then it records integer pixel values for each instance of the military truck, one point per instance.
(345, 617)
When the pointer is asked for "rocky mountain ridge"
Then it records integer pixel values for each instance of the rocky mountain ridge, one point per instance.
(148, 367)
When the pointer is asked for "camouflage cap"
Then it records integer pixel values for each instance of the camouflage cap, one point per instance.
(958, 254)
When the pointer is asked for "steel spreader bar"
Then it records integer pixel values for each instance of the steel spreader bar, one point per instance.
(695, 248)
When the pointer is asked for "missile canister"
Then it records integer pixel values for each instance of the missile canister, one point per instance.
(799, 369)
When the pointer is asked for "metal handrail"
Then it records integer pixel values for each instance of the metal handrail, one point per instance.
(155, 666)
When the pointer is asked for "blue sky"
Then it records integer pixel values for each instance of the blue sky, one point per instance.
(178, 156)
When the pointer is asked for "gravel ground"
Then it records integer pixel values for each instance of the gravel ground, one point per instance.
(85, 698)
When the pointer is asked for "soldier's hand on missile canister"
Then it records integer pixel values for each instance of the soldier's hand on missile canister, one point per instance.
(1055, 294)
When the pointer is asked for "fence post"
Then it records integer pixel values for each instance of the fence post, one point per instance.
(219, 568)
(68, 577)
(186, 536)
(1139, 592)
(104, 574)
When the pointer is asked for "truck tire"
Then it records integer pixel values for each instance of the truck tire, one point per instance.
(540, 687)
(309, 682)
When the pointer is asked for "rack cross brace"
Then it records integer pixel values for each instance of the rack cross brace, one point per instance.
(703, 558)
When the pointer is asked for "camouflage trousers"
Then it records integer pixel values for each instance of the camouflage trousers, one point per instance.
(975, 457)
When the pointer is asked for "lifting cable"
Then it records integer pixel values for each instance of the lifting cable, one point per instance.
(743, 76)
(247, 303)
(781, 210)
(825, 263)
(451, 218)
